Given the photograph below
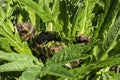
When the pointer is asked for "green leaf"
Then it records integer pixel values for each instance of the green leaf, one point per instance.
(83, 18)
(16, 57)
(4, 45)
(102, 17)
(114, 60)
(116, 76)
(84, 70)
(10, 24)
(116, 49)
(106, 76)
(13, 39)
(69, 54)
(106, 18)
(16, 66)
(20, 62)
(55, 9)
(56, 70)
(9, 9)
(17, 62)
(46, 6)
(31, 73)
(110, 17)
(110, 40)
(38, 9)
(81, 71)
(2, 15)
(32, 16)
(65, 19)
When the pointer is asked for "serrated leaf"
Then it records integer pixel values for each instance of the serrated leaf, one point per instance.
(110, 40)
(81, 70)
(114, 60)
(102, 17)
(85, 69)
(69, 54)
(16, 66)
(105, 31)
(32, 17)
(108, 18)
(16, 57)
(31, 73)
(55, 9)
(38, 9)
(106, 76)
(13, 39)
(9, 9)
(83, 18)
(10, 24)
(4, 45)
(56, 70)
(62, 23)
(2, 15)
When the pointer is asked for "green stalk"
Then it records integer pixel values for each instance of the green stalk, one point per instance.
(49, 26)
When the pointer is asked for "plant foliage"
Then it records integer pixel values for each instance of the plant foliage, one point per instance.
(68, 39)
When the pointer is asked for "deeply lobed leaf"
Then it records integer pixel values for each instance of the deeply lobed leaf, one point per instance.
(69, 54)
(83, 18)
(57, 71)
(15, 57)
(31, 73)
(42, 11)
(13, 39)
(110, 40)
(16, 66)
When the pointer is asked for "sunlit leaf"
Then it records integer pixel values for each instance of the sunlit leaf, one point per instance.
(38, 9)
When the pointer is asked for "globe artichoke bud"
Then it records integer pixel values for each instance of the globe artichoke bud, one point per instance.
(53, 47)
(26, 31)
(46, 44)
(82, 39)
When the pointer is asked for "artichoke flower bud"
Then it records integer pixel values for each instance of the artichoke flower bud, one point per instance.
(82, 39)
(53, 47)
(26, 31)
